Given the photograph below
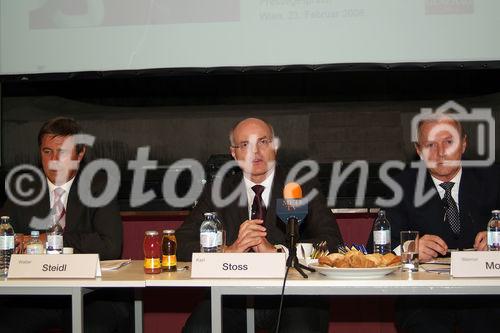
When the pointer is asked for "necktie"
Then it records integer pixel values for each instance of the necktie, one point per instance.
(258, 207)
(451, 207)
(58, 208)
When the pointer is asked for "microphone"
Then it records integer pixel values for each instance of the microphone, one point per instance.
(291, 208)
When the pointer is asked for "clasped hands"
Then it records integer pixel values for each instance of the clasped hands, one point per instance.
(431, 246)
(251, 236)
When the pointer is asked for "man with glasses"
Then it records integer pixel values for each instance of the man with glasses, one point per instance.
(254, 227)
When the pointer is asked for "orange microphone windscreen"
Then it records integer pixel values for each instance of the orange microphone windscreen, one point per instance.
(292, 191)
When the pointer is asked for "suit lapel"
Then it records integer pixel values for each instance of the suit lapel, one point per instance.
(467, 201)
(433, 211)
(71, 206)
(36, 216)
(275, 228)
(242, 209)
(276, 192)
(239, 212)
(42, 208)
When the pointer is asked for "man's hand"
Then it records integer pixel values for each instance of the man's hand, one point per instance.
(480, 243)
(430, 246)
(251, 234)
(264, 247)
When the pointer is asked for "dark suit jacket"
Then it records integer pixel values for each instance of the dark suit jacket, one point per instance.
(478, 196)
(319, 224)
(87, 229)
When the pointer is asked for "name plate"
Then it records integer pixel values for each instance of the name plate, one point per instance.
(238, 265)
(54, 266)
(475, 264)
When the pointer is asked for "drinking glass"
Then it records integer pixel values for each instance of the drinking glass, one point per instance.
(409, 251)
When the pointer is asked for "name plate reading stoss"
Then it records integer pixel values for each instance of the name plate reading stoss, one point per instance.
(238, 265)
(54, 266)
(475, 264)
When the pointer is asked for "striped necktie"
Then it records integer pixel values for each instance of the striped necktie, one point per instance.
(451, 210)
(58, 208)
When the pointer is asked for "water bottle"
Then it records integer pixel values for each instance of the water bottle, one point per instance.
(220, 233)
(55, 237)
(381, 234)
(493, 231)
(35, 245)
(209, 230)
(6, 244)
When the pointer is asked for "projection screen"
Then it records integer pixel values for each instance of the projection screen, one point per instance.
(53, 36)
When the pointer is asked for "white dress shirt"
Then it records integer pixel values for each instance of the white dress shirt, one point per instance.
(454, 190)
(66, 187)
(267, 183)
(266, 195)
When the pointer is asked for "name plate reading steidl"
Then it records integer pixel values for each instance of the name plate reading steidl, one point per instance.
(238, 265)
(475, 264)
(54, 266)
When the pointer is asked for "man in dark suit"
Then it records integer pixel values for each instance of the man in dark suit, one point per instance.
(255, 227)
(455, 217)
(86, 230)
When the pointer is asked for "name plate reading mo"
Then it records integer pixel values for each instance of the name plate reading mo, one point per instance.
(55, 266)
(238, 265)
(475, 264)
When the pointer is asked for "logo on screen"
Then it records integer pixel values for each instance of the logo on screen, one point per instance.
(449, 7)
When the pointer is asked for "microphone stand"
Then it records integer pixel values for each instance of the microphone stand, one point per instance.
(292, 227)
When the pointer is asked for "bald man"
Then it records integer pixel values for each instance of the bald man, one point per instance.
(254, 227)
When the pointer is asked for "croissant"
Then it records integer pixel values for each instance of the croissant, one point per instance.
(388, 258)
(359, 261)
(376, 258)
(341, 263)
(356, 259)
(325, 260)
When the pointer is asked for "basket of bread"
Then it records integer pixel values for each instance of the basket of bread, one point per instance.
(357, 259)
(356, 264)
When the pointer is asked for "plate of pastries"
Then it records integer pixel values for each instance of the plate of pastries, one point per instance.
(354, 264)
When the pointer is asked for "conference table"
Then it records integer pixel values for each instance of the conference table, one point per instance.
(397, 283)
(128, 277)
(132, 276)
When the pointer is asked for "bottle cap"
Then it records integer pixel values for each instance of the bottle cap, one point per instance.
(35, 233)
(168, 231)
(67, 250)
(151, 233)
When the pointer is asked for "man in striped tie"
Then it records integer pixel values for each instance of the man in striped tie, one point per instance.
(454, 218)
(86, 230)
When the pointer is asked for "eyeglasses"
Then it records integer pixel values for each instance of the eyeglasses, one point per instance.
(262, 143)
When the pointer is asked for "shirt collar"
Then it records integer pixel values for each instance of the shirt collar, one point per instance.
(455, 180)
(66, 186)
(266, 183)
(454, 190)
